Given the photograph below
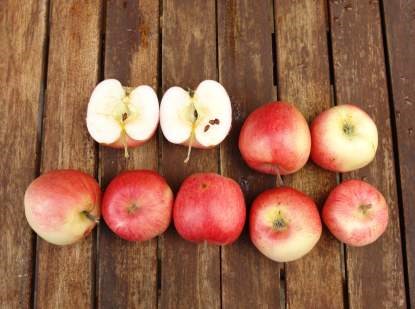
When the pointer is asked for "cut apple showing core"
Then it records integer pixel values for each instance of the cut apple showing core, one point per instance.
(200, 118)
(122, 117)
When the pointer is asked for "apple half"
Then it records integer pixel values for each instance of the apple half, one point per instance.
(122, 117)
(200, 118)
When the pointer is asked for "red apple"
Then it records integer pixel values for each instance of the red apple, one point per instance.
(63, 206)
(137, 205)
(284, 224)
(344, 138)
(356, 213)
(209, 207)
(275, 139)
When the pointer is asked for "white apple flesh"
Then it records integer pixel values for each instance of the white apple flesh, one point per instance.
(356, 213)
(122, 117)
(200, 118)
(63, 206)
(344, 138)
(284, 224)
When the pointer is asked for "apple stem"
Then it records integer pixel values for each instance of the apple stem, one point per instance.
(189, 151)
(280, 181)
(90, 216)
(124, 142)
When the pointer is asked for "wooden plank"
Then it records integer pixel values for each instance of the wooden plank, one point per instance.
(127, 275)
(249, 279)
(22, 49)
(400, 35)
(65, 275)
(359, 69)
(304, 79)
(190, 273)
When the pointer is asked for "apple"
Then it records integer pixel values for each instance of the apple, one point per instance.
(356, 213)
(209, 207)
(275, 139)
(284, 224)
(63, 206)
(200, 118)
(122, 117)
(137, 205)
(344, 138)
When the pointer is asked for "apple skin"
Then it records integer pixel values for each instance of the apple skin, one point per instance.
(275, 139)
(299, 224)
(131, 143)
(347, 221)
(209, 207)
(334, 149)
(61, 205)
(137, 205)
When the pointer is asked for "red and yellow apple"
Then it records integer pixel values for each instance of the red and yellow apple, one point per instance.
(344, 138)
(275, 139)
(63, 206)
(137, 205)
(209, 207)
(356, 213)
(284, 224)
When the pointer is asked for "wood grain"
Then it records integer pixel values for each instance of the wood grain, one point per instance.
(127, 272)
(359, 68)
(400, 35)
(249, 279)
(22, 48)
(304, 80)
(190, 274)
(65, 276)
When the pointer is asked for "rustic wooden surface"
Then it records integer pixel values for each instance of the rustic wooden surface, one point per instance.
(313, 53)
(127, 272)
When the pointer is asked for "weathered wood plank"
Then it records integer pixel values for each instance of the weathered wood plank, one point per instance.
(65, 276)
(304, 79)
(127, 272)
(249, 279)
(22, 48)
(359, 70)
(190, 273)
(400, 36)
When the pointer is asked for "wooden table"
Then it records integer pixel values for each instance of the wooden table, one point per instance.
(310, 52)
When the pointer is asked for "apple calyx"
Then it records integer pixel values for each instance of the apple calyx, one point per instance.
(132, 208)
(348, 129)
(89, 216)
(279, 223)
(364, 209)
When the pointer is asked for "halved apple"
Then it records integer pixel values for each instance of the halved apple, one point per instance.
(200, 118)
(122, 117)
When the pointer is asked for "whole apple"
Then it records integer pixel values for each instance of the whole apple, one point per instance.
(275, 139)
(63, 206)
(209, 207)
(137, 205)
(344, 138)
(284, 224)
(356, 213)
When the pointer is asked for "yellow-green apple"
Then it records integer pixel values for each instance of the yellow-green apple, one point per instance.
(284, 224)
(356, 213)
(200, 118)
(63, 206)
(122, 117)
(137, 205)
(209, 207)
(344, 138)
(275, 139)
